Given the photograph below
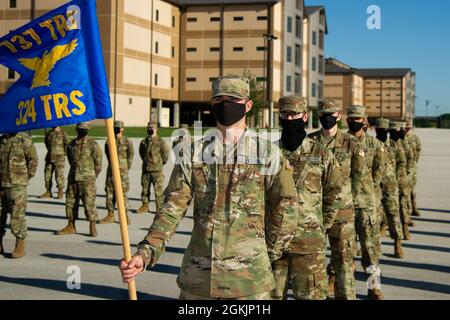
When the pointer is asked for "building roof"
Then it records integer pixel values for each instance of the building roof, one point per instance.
(212, 2)
(334, 69)
(309, 10)
(380, 73)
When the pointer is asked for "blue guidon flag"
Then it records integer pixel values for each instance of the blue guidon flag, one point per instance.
(62, 72)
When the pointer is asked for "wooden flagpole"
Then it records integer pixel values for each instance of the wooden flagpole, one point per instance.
(120, 201)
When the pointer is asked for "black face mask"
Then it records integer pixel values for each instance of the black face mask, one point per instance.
(394, 135)
(116, 131)
(293, 133)
(328, 121)
(402, 134)
(150, 132)
(82, 133)
(228, 113)
(355, 126)
(381, 134)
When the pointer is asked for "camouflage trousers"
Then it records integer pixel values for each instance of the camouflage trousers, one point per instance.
(111, 195)
(85, 191)
(305, 273)
(157, 179)
(14, 201)
(413, 190)
(367, 225)
(184, 295)
(56, 168)
(405, 205)
(389, 210)
(342, 238)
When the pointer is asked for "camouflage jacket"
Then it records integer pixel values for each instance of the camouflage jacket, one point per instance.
(154, 153)
(125, 152)
(18, 160)
(400, 162)
(389, 178)
(350, 156)
(56, 143)
(244, 218)
(409, 154)
(414, 141)
(85, 159)
(318, 180)
(374, 162)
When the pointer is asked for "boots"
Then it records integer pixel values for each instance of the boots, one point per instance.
(60, 194)
(46, 195)
(416, 213)
(70, 229)
(406, 234)
(375, 294)
(331, 284)
(92, 229)
(411, 223)
(2, 251)
(19, 251)
(383, 232)
(398, 251)
(143, 209)
(108, 219)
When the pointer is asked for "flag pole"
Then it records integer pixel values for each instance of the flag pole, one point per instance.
(120, 201)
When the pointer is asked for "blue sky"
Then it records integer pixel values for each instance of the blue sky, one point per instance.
(415, 34)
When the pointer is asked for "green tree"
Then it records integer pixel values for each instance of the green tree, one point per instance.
(254, 117)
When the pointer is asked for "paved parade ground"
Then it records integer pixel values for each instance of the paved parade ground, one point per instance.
(424, 273)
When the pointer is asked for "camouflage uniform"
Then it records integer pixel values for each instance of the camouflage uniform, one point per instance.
(154, 153)
(389, 191)
(125, 152)
(406, 188)
(318, 181)
(350, 156)
(85, 159)
(366, 202)
(244, 215)
(417, 147)
(56, 143)
(18, 164)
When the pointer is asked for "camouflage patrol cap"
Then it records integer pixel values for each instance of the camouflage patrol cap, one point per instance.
(383, 123)
(409, 122)
(356, 112)
(119, 124)
(328, 106)
(395, 125)
(151, 125)
(83, 126)
(233, 86)
(293, 103)
(403, 124)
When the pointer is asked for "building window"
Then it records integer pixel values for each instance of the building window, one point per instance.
(214, 49)
(191, 79)
(238, 19)
(213, 79)
(314, 38)
(298, 82)
(298, 27)
(321, 40)
(261, 18)
(156, 79)
(173, 52)
(313, 90)
(156, 47)
(260, 48)
(12, 4)
(172, 82)
(289, 24)
(299, 4)
(192, 19)
(320, 89)
(288, 83)
(298, 55)
(11, 74)
(321, 65)
(173, 21)
(236, 49)
(289, 54)
(314, 62)
(191, 49)
(214, 19)
(157, 15)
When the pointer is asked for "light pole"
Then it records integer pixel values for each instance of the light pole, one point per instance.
(268, 38)
(427, 103)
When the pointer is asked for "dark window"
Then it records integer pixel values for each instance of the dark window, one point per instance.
(288, 83)
(11, 74)
(298, 82)
(238, 49)
(173, 21)
(214, 19)
(214, 49)
(262, 18)
(299, 4)
(157, 15)
(289, 54)
(320, 89)
(156, 47)
(321, 65)
(289, 24)
(173, 52)
(156, 79)
(313, 90)
(238, 19)
(321, 40)
(314, 38)
(298, 27)
(298, 55)
(260, 48)
(191, 49)
(191, 79)
(192, 19)
(314, 62)
(172, 82)
(12, 4)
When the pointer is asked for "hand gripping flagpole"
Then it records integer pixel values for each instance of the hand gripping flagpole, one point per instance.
(120, 201)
